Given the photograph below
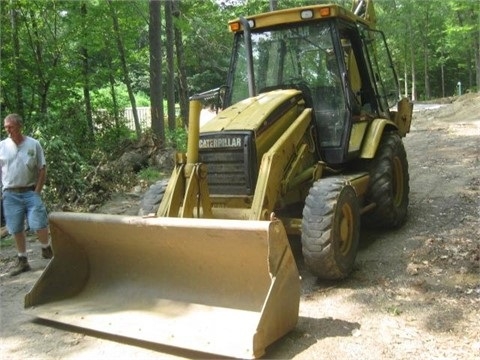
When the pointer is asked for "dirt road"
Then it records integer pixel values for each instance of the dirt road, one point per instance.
(414, 293)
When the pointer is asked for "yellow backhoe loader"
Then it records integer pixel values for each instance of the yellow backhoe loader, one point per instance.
(304, 142)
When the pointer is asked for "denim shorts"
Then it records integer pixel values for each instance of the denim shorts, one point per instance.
(17, 206)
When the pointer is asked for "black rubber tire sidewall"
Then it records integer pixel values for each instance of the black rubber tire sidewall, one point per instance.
(387, 213)
(320, 244)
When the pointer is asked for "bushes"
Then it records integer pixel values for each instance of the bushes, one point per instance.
(85, 168)
(80, 168)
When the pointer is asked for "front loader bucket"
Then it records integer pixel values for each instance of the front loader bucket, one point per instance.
(227, 287)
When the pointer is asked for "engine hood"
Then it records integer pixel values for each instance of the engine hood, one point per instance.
(255, 113)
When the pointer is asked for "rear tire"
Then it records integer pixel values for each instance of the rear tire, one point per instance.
(330, 229)
(389, 184)
(152, 198)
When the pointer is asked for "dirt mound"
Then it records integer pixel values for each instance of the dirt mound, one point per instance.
(461, 108)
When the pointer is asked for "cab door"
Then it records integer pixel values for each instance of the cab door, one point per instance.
(381, 70)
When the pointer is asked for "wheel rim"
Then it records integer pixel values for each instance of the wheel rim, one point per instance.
(346, 229)
(397, 182)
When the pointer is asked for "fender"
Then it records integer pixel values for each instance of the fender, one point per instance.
(374, 135)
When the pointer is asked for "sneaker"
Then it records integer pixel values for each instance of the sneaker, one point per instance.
(21, 266)
(47, 252)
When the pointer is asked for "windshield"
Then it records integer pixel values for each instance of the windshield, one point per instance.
(288, 56)
(301, 57)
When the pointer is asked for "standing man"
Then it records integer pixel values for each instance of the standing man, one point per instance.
(23, 171)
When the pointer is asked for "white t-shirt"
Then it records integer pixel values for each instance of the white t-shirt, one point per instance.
(20, 164)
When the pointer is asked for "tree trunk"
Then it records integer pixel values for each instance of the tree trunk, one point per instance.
(405, 68)
(126, 75)
(182, 74)
(86, 76)
(170, 66)
(426, 59)
(273, 5)
(111, 80)
(16, 56)
(43, 84)
(473, 16)
(156, 88)
(412, 62)
(476, 42)
(425, 73)
(116, 110)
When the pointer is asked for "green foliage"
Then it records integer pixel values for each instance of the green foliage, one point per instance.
(394, 310)
(102, 97)
(73, 160)
(142, 99)
(433, 43)
(201, 37)
(177, 139)
(150, 174)
(110, 134)
(7, 242)
(66, 167)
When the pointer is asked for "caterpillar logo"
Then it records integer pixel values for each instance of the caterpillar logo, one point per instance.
(230, 142)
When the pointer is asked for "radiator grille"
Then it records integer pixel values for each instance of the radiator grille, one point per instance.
(231, 162)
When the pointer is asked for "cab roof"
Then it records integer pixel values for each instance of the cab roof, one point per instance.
(295, 16)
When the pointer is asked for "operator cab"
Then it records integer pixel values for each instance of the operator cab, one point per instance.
(329, 60)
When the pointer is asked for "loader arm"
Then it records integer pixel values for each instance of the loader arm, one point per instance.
(275, 163)
(187, 189)
(366, 10)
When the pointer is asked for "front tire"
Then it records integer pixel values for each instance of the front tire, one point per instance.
(330, 228)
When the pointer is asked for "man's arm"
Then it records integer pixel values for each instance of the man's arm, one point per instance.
(42, 175)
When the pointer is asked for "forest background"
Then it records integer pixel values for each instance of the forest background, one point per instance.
(71, 68)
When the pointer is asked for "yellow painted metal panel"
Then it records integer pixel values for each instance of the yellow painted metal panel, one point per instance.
(225, 287)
